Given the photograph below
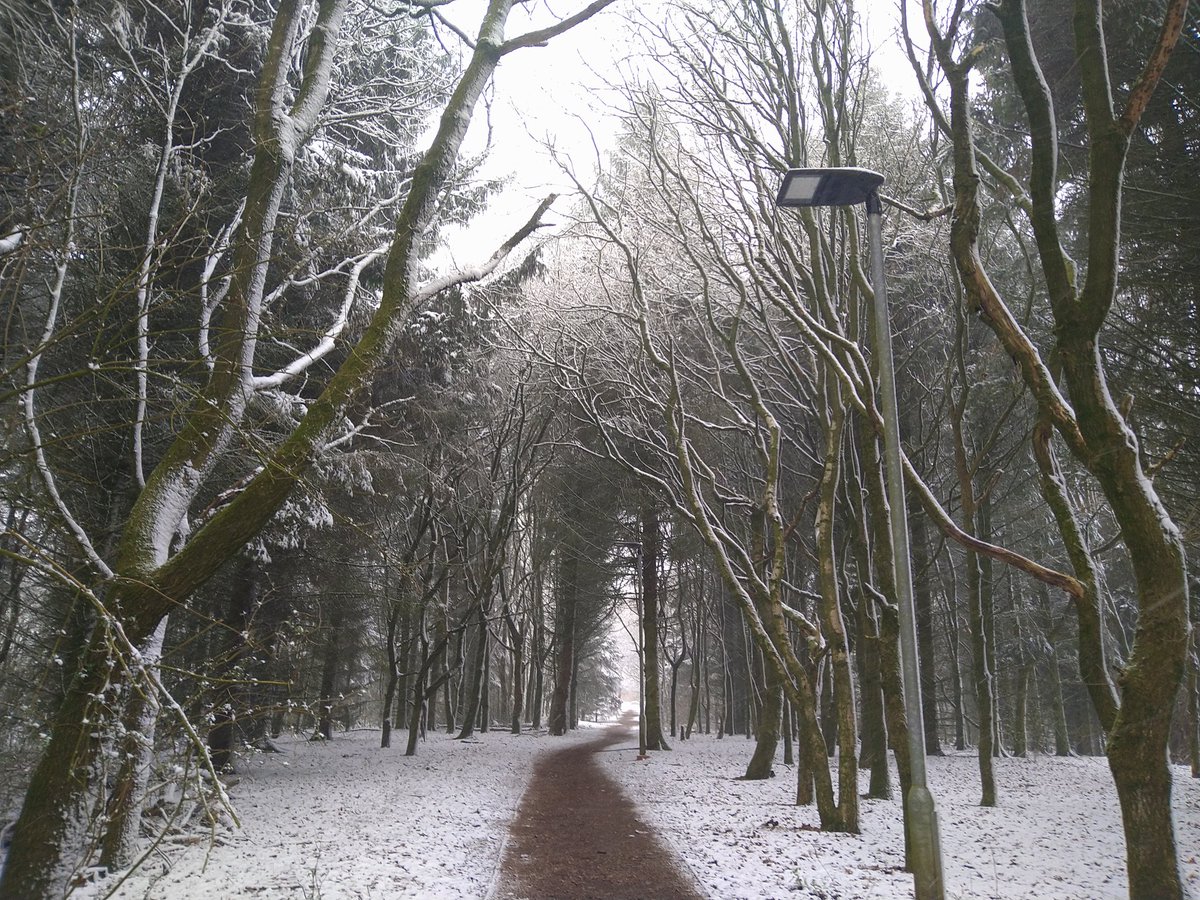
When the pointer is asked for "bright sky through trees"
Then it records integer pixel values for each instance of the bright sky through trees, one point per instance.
(555, 99)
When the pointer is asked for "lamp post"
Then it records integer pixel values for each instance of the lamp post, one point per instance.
(849, 187)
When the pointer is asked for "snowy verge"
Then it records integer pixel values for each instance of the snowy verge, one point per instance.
(345, 820)
(1055, 836)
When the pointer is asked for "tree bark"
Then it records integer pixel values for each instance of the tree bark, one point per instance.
(874, 731)
(473, 678)
(228, 702)
(393, 664)
(136, 747)
(1062, 737)
(767, 735)
(330, 669)
(923, 599)
(564, 640)
(651, 550)
(1020, 736)
(833, 627)
(517, 636)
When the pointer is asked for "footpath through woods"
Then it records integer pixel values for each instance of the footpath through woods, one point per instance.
(576, 836)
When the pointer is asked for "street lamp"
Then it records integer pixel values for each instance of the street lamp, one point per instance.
(849, 187)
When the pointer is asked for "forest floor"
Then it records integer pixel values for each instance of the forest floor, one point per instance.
(1055, 835)
(576, 835)
(345, 820)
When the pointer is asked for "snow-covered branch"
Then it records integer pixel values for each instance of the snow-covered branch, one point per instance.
(11, 242)
(32, 429)
(477, 273)
(329, 339)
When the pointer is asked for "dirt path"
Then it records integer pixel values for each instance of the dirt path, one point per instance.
(577, 837)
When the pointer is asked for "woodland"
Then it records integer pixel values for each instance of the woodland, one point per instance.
(272, 466)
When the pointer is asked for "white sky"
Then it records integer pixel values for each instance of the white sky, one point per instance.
(554, 95)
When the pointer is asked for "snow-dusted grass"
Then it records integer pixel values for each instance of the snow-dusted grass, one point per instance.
(1056, 834)
(344, 819)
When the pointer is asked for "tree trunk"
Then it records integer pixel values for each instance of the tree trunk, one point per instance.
(923, 572)
(829, 719)
(956, 679)
(760, 765)
(698, 652)
(393, 669)
(330, 669)
(419, 700)
(124, 806)
(987, 607)
(651, 550)
(874, 732)
(1020, 712)
(883, 564)
(1062, 737)
(874, 741)
(978, 590)
(789, 751)
(485, 691)
(228, 704)
(833, 627)
(982, 679)
(473, 678)
(517, 636)
(565, 640)
(804, 773)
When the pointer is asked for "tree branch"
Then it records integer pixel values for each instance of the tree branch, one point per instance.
(542, 35)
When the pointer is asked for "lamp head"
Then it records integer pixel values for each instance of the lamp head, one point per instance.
(827, 187)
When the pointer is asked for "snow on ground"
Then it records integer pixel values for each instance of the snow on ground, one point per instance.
(345, 820)
(1055, 836)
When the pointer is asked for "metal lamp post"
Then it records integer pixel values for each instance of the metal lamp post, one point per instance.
(849, 187)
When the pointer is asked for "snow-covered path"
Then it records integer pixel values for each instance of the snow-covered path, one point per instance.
(577, 835)
(347, 820)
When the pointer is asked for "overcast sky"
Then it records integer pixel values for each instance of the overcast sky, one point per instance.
(555, 94)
